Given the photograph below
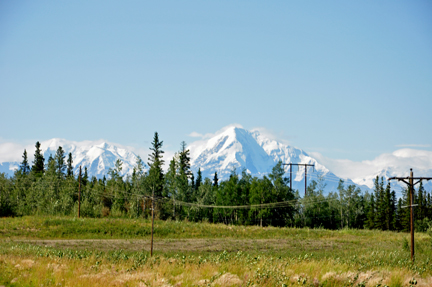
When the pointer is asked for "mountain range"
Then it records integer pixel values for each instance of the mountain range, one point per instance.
(235, 148)
(98, 156)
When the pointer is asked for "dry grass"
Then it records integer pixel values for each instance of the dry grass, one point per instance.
(195, 254)
(235, 271)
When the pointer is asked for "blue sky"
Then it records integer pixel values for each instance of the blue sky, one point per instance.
(350, 80)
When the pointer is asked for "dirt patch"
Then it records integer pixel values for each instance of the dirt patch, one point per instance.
(228, 279)
(166, 245)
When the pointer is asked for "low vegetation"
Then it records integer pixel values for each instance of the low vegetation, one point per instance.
(66, 251)
(49, 187)
(242, 231)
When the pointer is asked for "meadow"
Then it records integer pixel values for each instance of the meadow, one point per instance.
(67, 251)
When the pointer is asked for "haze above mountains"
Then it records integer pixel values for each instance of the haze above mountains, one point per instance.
(236, 148)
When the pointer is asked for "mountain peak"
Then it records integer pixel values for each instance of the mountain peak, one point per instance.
(238, 148)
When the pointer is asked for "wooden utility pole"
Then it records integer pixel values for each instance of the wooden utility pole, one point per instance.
(79, 193)
(411, 185)
(299, 164)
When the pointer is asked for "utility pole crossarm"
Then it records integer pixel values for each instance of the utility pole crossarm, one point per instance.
(404, 181)
(411, 185)
(419, 179)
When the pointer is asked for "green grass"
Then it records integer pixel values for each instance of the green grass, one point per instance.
(46, 227)
(263, 256)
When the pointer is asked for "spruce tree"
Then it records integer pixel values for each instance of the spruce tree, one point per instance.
(156, 177)
(215, 180)
(60, 161)
(183, 174)
(69, 165)
(38, 163)
(51, 167)
(184, 164)
(192, 183)
(405, 212)
(372, 213)
(393, 210)
(24, 166)
(399, 216)
(198, 180)
(85, 177)
(380, 205)
(388, 208)
(420, 200)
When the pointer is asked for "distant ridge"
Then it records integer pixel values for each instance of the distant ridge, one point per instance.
(97, 156)
(237, 148)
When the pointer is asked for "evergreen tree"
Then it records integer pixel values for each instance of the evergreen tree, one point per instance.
(24, 166)
(380, 205)
(399, 216)
(69, 172)
(405, 212)
(421, 201)
(38, 163)
(199, 179)
(170, 189)
(183, 174)
(170, 179)
(388, 209)
(192, 181)
(84, 179)
(156, 177)
(51, 167)
(393, 205)
(115, 173)
(371, 215)
(215, 180)
(60, 162)
(139, 167)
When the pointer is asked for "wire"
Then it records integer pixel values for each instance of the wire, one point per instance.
(288, 203)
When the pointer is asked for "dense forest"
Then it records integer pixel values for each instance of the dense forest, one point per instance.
(49, 187)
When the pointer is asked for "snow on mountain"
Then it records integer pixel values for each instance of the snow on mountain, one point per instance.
(238, 148)
(397, 163)
(235, 147)
(97, 156)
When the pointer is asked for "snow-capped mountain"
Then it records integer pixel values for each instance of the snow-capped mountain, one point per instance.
(241, 149)
(397, 163)
(235, 147)
(98, 156)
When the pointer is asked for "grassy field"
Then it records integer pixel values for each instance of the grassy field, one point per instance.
(65, 251)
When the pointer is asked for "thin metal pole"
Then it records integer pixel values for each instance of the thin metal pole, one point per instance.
(411, 187)
(79, 193)
(151, 248)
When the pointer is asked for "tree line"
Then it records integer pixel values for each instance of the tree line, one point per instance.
(49, 187)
